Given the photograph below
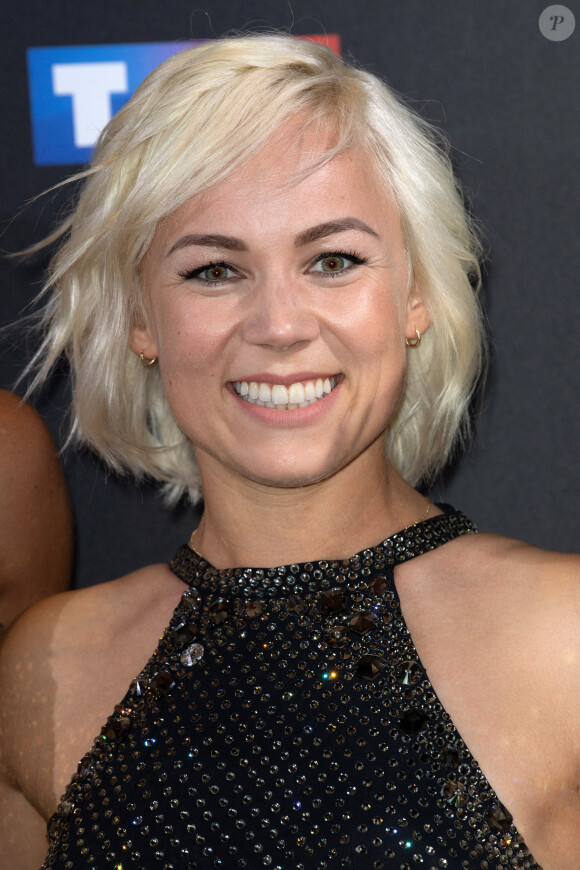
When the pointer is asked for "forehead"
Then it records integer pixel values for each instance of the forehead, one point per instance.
(290, 185)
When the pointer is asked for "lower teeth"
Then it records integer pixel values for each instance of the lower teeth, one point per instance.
(288, 407)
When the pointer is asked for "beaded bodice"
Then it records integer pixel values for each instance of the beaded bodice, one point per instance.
(285, 721)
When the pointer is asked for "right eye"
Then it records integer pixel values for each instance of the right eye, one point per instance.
(213, 273)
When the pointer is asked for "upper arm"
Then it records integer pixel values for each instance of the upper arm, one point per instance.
(27, 691)
(558, 673)
(549, 616)
(36, 535)
(22, 831)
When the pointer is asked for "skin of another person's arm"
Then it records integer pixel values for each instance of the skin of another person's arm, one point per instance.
(36, 529)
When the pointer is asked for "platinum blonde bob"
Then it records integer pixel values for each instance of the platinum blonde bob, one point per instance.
(198, 117)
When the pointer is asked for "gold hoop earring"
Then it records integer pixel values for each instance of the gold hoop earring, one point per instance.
(414, 342)
(147, 362)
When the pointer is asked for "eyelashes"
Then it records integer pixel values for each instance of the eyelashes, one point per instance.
(330, 264)
(211, 273)
(333, 263)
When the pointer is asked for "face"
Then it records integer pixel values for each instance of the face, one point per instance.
(278, 311)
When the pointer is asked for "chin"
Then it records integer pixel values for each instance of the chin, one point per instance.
(292, 476)
(292, 481)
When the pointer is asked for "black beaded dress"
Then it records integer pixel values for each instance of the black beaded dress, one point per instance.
(285, 721)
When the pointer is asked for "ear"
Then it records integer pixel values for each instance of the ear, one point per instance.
(417, 315)
(143, 341)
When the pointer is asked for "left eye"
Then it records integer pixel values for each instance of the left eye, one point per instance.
(215, 272)
(333, 264)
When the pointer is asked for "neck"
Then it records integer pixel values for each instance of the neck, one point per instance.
(247, 523)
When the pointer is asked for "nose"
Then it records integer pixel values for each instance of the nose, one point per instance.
(280, 315)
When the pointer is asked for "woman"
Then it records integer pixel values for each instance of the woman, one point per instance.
(268, 274)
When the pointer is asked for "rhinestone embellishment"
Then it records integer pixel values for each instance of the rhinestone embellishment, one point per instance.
(191, 654)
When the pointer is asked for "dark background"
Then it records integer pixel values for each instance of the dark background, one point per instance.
(508, 98)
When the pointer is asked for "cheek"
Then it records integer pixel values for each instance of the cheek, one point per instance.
(189, 340)
(374, 324)
(380, 351)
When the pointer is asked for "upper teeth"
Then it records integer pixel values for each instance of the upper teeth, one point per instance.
(297, 395)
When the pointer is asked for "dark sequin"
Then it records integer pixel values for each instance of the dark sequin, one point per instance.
(413, 721)
(498, 817)
(369, 666)
(254, 608)
(333, 599)
(408, 673)
(362, 623)
(285, 721)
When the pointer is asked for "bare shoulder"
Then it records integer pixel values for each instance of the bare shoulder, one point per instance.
(494, 589)
(93, 617)
(487, 565)
(17, 411)
(25, 437)
(498, 551)
(36, 533)
(532, 593)
(64, 665)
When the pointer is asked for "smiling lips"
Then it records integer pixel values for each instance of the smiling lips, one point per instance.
(297, 395)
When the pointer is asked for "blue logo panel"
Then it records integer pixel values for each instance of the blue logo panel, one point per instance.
(75, 91)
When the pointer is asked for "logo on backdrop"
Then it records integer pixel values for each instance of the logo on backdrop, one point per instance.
(76, 90)
(557, 23)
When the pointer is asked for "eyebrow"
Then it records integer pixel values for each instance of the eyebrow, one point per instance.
(209, 240)
(313, 234)
(328, 228)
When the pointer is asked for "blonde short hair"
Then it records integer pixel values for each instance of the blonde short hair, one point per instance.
(199, 116)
